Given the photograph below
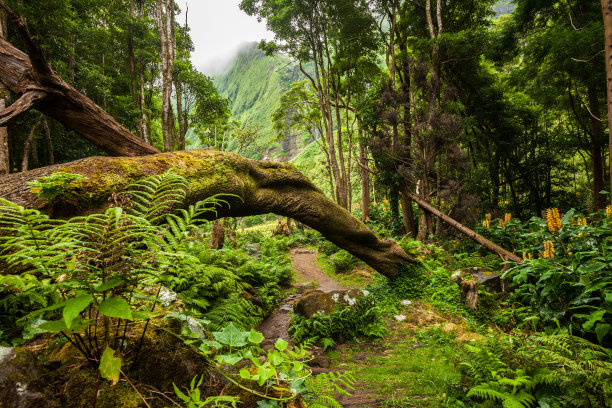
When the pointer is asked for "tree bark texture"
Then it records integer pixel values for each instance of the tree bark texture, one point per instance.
(263, 187)
(606, 11)
(505, 255)
(5, 165)
(165, 12)
(36, 85)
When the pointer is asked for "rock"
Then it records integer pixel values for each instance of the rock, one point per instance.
(167, 297)
(326, 302)
(490, 280)
(253, 250)
(21, 383)
(194, 326)
(320, 361)
(305, 287)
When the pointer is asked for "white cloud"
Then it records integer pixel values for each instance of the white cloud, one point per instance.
(218, 29)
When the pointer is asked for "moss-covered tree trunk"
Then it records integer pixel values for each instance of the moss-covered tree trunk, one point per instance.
(262, 187)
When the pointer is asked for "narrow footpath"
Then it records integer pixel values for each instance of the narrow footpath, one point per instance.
(307, 276)
(276, 326)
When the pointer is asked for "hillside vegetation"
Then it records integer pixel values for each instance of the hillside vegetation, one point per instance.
(254, 83)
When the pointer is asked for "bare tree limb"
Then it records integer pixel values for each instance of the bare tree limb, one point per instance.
(27, 101)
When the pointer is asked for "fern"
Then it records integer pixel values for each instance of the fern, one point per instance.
(324, 387)
(155, 197)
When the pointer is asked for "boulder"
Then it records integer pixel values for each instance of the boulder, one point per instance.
(21, 382)
(326, 302)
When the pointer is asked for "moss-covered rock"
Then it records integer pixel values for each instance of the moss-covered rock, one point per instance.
(22, 381)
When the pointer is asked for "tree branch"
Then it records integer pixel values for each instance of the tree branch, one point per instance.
(27, 101)
(33, 49)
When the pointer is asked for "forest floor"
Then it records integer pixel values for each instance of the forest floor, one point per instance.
(409, 367)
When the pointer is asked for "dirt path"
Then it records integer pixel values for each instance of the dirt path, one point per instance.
(276, 326)
(304, 262)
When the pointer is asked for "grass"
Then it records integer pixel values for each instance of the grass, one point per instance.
(413, 370)
(345, 279)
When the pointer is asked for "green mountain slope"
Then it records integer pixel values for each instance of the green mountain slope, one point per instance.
(254, 84)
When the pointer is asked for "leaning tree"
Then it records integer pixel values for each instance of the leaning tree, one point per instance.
(260, 187)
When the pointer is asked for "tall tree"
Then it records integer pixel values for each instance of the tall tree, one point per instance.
(5, 166)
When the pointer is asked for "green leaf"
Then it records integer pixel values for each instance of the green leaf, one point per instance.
(590, 268)
(264, 373)
(281, 345)
(113, 283)
(54, 326)
(74, 307)
(110, 366)
(255, 337)
(231, 336)
(593, 318)
(116, 307)
(601, 330)
(275, 357)
(568, 217)
(228, 359)
(245, 374)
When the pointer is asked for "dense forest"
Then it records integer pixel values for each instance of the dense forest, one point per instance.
(391, 204)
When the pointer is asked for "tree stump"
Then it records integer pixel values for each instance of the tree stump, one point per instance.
(218, 236)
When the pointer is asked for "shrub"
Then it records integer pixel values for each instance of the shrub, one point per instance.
(343, 261)
(344, 324)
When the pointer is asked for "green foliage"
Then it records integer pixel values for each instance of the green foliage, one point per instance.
(277, 376)
(325, 387)
(346, 323)
(573, 288)
(555, 371)
(343, 261)
(96, 264)
(55, 185)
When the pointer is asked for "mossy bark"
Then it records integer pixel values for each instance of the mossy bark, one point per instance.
(262, 187)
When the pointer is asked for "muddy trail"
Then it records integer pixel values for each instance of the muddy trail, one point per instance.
(277, 324)
(307, 272)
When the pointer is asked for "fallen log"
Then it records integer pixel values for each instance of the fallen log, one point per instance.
(35, 85)
(503, 254)
(263, 187)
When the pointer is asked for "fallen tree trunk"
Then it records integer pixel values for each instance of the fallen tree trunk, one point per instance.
(263, 187)
(505, 255)
(36, 85)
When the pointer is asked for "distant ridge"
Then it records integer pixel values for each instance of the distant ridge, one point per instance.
(254, 84)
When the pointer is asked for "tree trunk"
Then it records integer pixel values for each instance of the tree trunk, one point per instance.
(165, 11)
(407, 211)
(5, 165)
(29, 145)
(606, 10)
(599, 200)
(217, 238)
(365, 181)
(38, 86)
(48, 143)
(505, 255)
(262, 188)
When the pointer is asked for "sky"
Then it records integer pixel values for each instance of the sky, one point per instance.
(218, 29)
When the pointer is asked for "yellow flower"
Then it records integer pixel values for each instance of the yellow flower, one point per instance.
(549, 250)
(501, 224)
(553, 219)
(488, 216)
(508, 217)
(609, 210)
(486, 224)
(386, 201)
